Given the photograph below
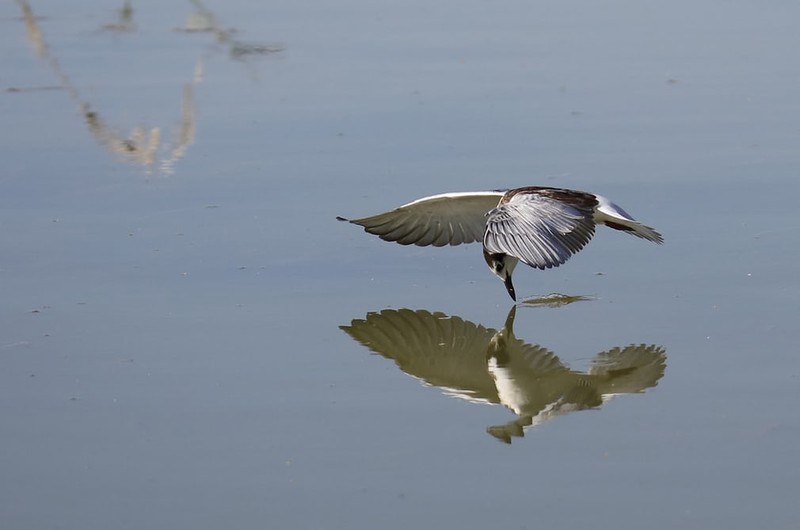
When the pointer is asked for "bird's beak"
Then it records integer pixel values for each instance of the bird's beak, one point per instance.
(510, 288)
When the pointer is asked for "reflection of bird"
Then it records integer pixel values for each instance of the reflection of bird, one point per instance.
(536, 386)
(539, 226)
(476, 363)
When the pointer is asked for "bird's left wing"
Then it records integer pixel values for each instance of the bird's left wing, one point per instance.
(439, 220)
(542, 228)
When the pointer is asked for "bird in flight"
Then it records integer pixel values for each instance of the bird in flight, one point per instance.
(539, 226)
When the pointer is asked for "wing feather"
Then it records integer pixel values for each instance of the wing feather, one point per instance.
(539, 229)
(614, 216)
(439, 220)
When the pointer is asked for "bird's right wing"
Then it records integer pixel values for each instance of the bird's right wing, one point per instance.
(439, 220)
(542, 228)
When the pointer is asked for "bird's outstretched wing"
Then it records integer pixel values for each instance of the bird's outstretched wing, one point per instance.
(439, 220)
(542, 229)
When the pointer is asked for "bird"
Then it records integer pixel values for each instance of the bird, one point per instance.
(540, 226)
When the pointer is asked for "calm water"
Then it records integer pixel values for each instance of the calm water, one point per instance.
(188, 338)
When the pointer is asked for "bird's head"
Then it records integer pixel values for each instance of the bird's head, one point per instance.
(502, 266)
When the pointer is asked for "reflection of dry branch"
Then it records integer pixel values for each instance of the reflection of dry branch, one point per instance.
(204, 21)
(185, 136)
(34, 35)
(124, 23)
(140, 146)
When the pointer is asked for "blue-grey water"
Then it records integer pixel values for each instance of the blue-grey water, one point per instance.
(189, 339)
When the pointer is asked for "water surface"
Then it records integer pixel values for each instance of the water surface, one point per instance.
(177, 297)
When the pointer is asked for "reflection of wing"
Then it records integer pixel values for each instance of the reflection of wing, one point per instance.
(537, 361)
(630, 369)
(443, 351)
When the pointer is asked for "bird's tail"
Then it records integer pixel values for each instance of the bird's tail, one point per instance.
(611, 215)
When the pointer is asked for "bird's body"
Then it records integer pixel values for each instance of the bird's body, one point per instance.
(540, 226)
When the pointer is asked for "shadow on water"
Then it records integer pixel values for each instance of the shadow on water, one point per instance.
(142, 146)
(481, 364)
(554, 300)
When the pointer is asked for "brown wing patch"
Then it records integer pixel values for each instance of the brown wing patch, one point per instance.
(579, 199)
(617, 226)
